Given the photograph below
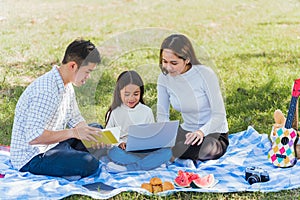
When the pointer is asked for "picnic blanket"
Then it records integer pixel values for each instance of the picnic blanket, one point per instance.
(247, 148)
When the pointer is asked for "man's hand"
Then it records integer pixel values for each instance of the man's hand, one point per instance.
(86, 133)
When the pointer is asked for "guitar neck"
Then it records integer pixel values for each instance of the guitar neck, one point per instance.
(291, 113)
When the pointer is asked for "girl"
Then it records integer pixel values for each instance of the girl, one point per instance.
(126, 109)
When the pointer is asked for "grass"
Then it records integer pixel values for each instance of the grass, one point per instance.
(252, 45)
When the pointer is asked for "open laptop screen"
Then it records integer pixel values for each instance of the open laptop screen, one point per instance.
(152, 136)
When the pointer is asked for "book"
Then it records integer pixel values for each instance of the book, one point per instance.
(109, 136)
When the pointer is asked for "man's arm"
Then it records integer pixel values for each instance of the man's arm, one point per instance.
(51, 137)
(81, 132)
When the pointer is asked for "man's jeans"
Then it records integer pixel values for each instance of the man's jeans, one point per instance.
(68, 158)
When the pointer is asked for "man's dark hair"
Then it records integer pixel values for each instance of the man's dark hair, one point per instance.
(82, 52)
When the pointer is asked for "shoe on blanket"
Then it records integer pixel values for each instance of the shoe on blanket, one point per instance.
(115, 168)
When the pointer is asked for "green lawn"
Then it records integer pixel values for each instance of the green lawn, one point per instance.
(253, 45)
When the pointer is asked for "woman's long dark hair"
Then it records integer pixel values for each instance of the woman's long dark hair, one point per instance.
(124, 79)
(181, 47)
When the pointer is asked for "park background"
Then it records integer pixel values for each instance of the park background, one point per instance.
(253, 46)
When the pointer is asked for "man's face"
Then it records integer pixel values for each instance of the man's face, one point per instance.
(83, 73)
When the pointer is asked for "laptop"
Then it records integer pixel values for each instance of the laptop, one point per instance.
(152, 136)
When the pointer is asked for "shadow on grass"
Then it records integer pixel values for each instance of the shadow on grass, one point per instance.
(279, 23)
(275, 59)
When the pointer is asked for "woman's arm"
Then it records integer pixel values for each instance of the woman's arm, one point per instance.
(218, 121)
(163, 103)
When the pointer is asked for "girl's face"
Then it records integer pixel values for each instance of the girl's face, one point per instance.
(130, 95)
(172, 63)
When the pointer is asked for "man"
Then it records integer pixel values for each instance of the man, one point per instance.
(48, 126)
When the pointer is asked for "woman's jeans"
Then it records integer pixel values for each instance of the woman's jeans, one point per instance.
(142, 160)
(68, 158)
(213, 146)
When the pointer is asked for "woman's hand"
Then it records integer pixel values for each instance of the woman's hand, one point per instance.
(195, 137)
(122, 145)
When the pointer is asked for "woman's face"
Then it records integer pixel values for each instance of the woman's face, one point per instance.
(130, 95)
(172, 63)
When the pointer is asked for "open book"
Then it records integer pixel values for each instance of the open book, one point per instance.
(109, 136)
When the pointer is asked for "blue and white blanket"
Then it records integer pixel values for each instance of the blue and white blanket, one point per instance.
(247, 148)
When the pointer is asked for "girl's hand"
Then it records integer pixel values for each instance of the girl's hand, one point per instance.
(195, 137)
(122, 145)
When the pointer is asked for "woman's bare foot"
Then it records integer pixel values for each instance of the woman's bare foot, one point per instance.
(172, 159)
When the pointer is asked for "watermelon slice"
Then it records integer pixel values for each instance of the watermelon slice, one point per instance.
(182, 179)
(204, 182)
(193, 176)
(189, 179)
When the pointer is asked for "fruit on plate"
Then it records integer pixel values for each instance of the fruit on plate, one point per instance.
(183, 179)
(189, 179)
(204, 182)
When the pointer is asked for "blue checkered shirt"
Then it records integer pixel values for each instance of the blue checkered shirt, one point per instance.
(46, 104)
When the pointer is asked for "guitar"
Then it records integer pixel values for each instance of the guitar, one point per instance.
(282, 153)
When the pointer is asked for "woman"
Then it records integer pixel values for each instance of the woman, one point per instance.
(193, 90)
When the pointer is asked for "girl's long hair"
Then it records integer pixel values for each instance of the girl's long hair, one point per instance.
(124, 79)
